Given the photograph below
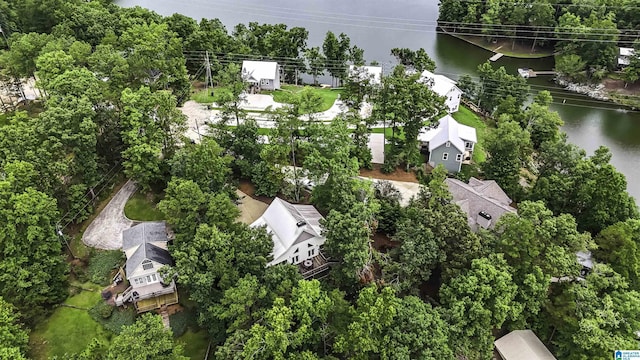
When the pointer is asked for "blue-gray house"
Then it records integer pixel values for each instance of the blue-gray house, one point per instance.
(450, 144)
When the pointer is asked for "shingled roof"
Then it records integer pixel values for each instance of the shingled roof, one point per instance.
(480, 196)
(145, 241)
(448, 130)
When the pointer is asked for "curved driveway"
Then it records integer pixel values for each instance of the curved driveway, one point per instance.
(105, 231)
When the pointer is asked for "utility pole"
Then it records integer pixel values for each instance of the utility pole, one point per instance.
(59, 232)
(209, 79)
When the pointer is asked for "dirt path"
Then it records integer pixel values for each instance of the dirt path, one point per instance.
(105, 232)
(250, 208)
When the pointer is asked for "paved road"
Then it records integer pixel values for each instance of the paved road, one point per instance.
(105, 232)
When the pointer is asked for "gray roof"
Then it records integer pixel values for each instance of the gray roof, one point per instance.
(480, 195)
(448, 130)
(143, 236)
(522, 345)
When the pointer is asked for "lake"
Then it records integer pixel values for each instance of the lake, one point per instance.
(377, 26)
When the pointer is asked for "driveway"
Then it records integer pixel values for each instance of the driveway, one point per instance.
(250, 208)
(376, 145)
(260, 102)
(197, 116)
(105, 232)
(407, 189)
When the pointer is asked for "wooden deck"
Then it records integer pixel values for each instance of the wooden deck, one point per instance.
(156, 302)
(319, 267)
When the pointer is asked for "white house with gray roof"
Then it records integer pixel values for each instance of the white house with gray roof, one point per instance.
(296, 233)
(450, 144)
(361, 73)
(483, 201)
(444, 87)
(263, 75)
(522, 345)
(145, 246)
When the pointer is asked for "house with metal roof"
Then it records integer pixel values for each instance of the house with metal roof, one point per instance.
(145, 246)
(483, 201)
(361, 73)
(444, 87)
(624, 56)
(522, 345)
(450, 144)
(264, 75)
(296, 234)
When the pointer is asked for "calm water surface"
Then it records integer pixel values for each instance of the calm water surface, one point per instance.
(379, 25)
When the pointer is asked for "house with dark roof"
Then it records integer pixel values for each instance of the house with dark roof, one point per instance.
(483, 201)
(297, 236)
(450, 144)
(263, 75)
(145, 246)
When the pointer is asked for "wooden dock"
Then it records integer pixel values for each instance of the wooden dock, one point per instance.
(496, 57)
(530, 73)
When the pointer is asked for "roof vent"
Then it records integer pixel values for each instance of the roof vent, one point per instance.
(301, 223)
(485, 215)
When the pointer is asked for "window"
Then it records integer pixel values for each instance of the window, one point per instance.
(138, 281)
(458, 157)
(147, 264)
(295, 259)
(295, 252)
(448, 144)
(312, 252)
(264, 81)
(152, 278)
(445, 156)
(468, 145)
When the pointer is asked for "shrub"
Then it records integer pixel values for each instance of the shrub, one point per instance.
(102, 263)
(181, 321)
(111, 318)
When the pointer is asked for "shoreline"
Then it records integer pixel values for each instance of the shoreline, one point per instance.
(510, 54)
(596, 92)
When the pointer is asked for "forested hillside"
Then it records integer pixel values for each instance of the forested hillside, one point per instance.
(110, 81)
(585, 34)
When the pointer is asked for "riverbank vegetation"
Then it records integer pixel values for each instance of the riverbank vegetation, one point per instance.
(112, 80)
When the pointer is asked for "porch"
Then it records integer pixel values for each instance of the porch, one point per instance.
(316, 267)
(149, 297)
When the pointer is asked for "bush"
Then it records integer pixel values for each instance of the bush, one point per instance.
(111, 318)
(101, 310)
(181, 321)
(102, 263)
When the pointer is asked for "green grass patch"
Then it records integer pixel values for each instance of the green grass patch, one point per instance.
(68, 330)
(467, 117)
(102, 264)
(203, 96)
(195, 344)
(183, 320)
(143, 207)
(328, 95)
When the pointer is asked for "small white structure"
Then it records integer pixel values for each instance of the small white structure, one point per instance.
(522, 345)
(296, 233)
(373, 73)
(262, 74)
(445, 87)
(450, 144)
(624, 56)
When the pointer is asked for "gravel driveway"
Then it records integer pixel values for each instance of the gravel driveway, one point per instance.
(105, 232)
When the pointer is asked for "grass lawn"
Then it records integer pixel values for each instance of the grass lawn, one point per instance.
(467, 117)
(195, 344)
(329, 96)
(68, 330)
(203, 96)
(141, 207)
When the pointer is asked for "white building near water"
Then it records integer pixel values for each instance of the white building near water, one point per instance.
(444, 87)
(373, 73)
(263, 75)
(624, 56)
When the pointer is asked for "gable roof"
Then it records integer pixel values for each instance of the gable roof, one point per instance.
(254, 71)
(375, 72)
(441, 84)
(282, 219)
(480, 195)
(448, 130)
(522, 345)
(145, 241)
